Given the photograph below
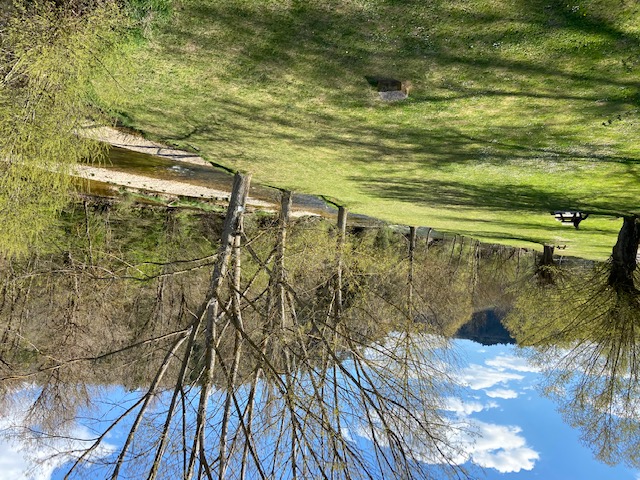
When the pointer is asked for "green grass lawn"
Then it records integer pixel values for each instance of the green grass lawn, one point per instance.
(518, 107)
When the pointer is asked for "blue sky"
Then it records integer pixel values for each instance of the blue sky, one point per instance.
(503, 388)
(521, 436)
(21, 460)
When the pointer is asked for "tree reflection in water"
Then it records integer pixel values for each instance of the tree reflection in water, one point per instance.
(585, 334)
(290, 349)
(275, 352)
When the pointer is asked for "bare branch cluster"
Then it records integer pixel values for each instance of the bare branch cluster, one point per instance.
(285, 352)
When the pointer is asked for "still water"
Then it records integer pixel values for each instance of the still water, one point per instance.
(200, 175)
(126, 353)
(515, 432)
(522, 435)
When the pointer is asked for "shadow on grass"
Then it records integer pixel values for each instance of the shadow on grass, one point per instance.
(329, 47)
(334, 43)
(399, 159)
(516, 231)
(493, 197)
(431, 144)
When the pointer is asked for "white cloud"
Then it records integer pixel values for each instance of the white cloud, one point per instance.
(502, 447)
(488, 445)
(12, 465)
(478, 377)
(518, 364)
(502, 393)
(346, 434)
(456, 405)
(466, 439)
(20, 460)
(506, 461)
(38, 458)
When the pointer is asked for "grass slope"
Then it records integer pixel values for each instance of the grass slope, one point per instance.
(518, 107)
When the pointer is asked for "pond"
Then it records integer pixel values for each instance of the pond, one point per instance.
(143, 346)
(514, 431)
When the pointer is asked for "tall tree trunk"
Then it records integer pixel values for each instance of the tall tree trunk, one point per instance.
(623, 257)
(342, 234)
(233, 374)
(88, 232)
(412, 248)
(232, 222)
(276, 313)
(453, 248)
(475, 263)
(545, 266)
(285, 210)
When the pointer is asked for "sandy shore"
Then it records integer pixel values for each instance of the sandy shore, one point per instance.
(121, 139)
(167, 187)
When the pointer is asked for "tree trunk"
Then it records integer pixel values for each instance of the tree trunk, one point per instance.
(280, 271)
(544, 268)
(453, 248)
(412, 248)
(623, 257)
(211, 308)
(342, 233)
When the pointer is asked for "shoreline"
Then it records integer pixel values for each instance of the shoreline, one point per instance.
(117, 138)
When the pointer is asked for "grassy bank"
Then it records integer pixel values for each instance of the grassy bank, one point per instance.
(518, 108)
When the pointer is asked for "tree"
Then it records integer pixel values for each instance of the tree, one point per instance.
(48, 56)
(585, 334)
(239, 389)
(546, 266)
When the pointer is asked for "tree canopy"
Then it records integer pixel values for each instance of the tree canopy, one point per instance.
(584, 333)
(49, 53)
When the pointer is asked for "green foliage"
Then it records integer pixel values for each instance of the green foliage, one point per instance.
(382, 239)
(147, 15)
(49, 57)
(327, 364)
(543, 312)
(144, 8)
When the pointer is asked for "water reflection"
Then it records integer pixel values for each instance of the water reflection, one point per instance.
(156, 343)
(585, 332)
(277, 351)
(163, 168)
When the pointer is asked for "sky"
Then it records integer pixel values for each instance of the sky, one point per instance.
(519, 433)
(20, 460)
(522, 434)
